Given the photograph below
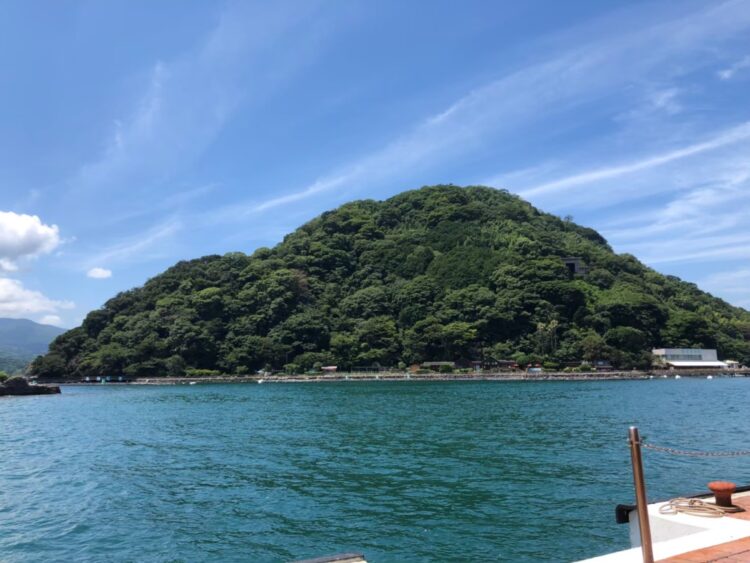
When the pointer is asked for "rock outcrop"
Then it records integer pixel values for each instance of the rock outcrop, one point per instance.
(19, 386)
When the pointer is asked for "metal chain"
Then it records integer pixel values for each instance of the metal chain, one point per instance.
(693, 453)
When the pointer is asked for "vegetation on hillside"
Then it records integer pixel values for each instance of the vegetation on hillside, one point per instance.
(440, 273)
(13, 364)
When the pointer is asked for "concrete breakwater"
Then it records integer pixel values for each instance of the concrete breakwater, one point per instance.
(401, 376)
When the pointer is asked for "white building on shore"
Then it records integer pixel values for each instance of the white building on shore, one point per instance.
(687, 358)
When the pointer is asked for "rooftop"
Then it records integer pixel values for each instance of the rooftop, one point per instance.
(696, 364)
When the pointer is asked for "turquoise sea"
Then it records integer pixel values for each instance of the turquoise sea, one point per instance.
(401, 471)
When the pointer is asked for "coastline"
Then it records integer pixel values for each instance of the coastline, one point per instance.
(400, 376)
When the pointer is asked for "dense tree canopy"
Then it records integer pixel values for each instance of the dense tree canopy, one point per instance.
(440, 273)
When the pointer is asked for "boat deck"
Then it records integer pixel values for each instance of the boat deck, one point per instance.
(737, 550)
(685, 538)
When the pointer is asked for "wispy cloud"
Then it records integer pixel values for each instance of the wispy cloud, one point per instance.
(666, 100)
(570, 80)
(171, 203)
(138, 246)
(733, 135)
(704, 221)
(729, 72)
(184, 106)
(188, 100)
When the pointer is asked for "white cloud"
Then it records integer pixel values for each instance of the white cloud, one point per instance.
(17, 301)
(666, 100)
(731, 136)
(729, 72)
(691, 211)
(24, 236)
(187, 101)
(99, 273)
(53, 320)
(138, 246)
(566, 82)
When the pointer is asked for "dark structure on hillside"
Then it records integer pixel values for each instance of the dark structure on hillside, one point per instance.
(576, 266)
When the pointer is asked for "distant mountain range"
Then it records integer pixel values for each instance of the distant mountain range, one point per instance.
(21, 340)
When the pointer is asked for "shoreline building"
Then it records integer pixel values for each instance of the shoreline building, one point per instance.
(687, 358)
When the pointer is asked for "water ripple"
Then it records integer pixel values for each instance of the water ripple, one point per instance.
(401, 471)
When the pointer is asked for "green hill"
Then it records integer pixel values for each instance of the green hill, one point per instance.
(440, 273)
(21, 340)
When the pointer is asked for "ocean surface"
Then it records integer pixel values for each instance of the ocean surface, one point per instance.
(401, 471)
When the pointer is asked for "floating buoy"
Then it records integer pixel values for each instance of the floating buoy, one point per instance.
(710, 377)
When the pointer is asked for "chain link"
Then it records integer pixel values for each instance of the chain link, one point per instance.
(693, 453)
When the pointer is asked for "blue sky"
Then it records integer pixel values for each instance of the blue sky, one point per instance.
(137, 133)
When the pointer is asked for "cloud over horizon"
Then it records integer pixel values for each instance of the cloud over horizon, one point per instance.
(24, 236)
(18, 302)
(99, 273)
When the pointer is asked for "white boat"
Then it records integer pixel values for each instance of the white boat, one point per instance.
(703, 528)
(710, 377)
(261, 380)
(696, 538)
(678, 377)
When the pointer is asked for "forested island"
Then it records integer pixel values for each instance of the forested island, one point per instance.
(442, 273)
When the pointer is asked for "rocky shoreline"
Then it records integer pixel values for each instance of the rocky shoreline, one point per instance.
(400, 376)
(18, 386)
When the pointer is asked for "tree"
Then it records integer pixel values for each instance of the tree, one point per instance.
(686, 329)
(593, 347)
(303, 331)
(441, 273)
(367, 302)
(627, 339)
(49, 366)
(377, 340)
(546, 334)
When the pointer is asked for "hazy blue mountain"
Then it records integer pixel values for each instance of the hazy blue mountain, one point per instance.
(21, 340)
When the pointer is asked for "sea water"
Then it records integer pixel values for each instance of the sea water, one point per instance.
(400, 471)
